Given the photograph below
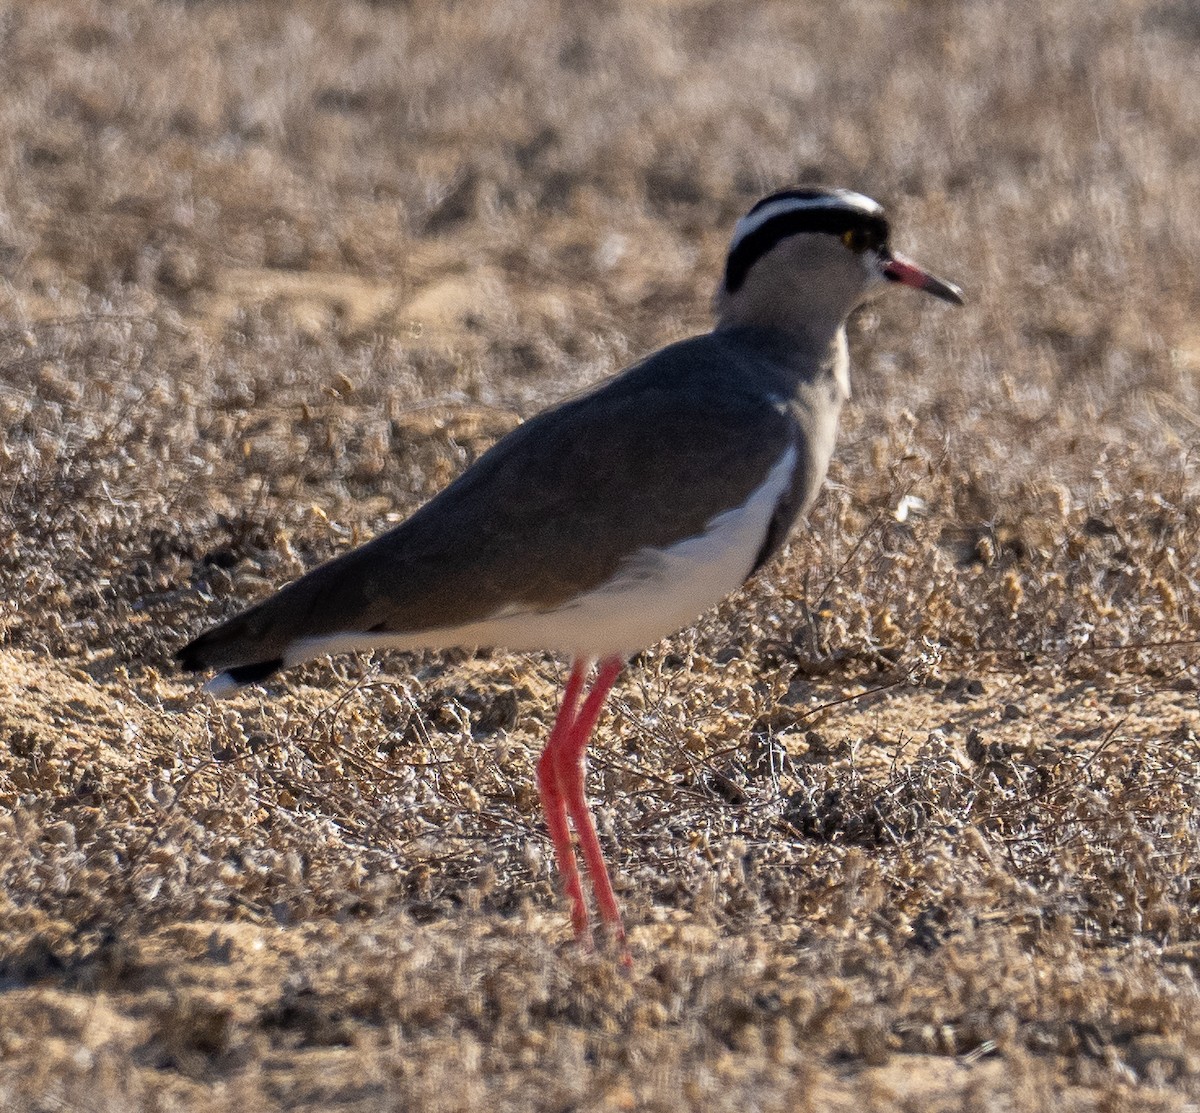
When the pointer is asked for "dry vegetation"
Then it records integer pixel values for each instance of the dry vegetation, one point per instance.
(909, 825)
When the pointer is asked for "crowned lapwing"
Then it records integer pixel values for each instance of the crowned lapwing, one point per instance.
(613, 520)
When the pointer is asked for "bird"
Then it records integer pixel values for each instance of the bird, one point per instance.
(604, 524)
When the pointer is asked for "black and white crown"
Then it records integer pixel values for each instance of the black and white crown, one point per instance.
(851, 216)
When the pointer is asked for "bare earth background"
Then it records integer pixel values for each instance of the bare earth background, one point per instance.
(907, 825)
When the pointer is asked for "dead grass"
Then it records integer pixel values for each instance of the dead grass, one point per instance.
(909, 825)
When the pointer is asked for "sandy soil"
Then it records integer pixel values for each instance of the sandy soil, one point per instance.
(908, 824)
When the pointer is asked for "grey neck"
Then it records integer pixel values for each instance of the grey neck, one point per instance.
(797, 358)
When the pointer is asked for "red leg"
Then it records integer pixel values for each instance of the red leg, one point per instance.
(553, 803)
(569, 764)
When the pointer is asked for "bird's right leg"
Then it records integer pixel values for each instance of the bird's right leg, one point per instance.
(571, 760)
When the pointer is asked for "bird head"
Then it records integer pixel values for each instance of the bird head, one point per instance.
(803, 259)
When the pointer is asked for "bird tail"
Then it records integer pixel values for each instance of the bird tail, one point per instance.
(242, 649)
(293, 625)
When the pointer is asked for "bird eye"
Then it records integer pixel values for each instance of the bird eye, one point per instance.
(856, 240)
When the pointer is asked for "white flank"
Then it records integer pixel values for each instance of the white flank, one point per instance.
(655, 593)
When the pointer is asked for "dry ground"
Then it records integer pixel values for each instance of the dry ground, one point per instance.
(908, 825)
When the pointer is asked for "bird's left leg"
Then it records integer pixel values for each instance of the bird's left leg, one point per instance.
(553, 803)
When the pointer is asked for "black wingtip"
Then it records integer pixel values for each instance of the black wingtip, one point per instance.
(189, 658)
(194, 657)
(254, 674)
